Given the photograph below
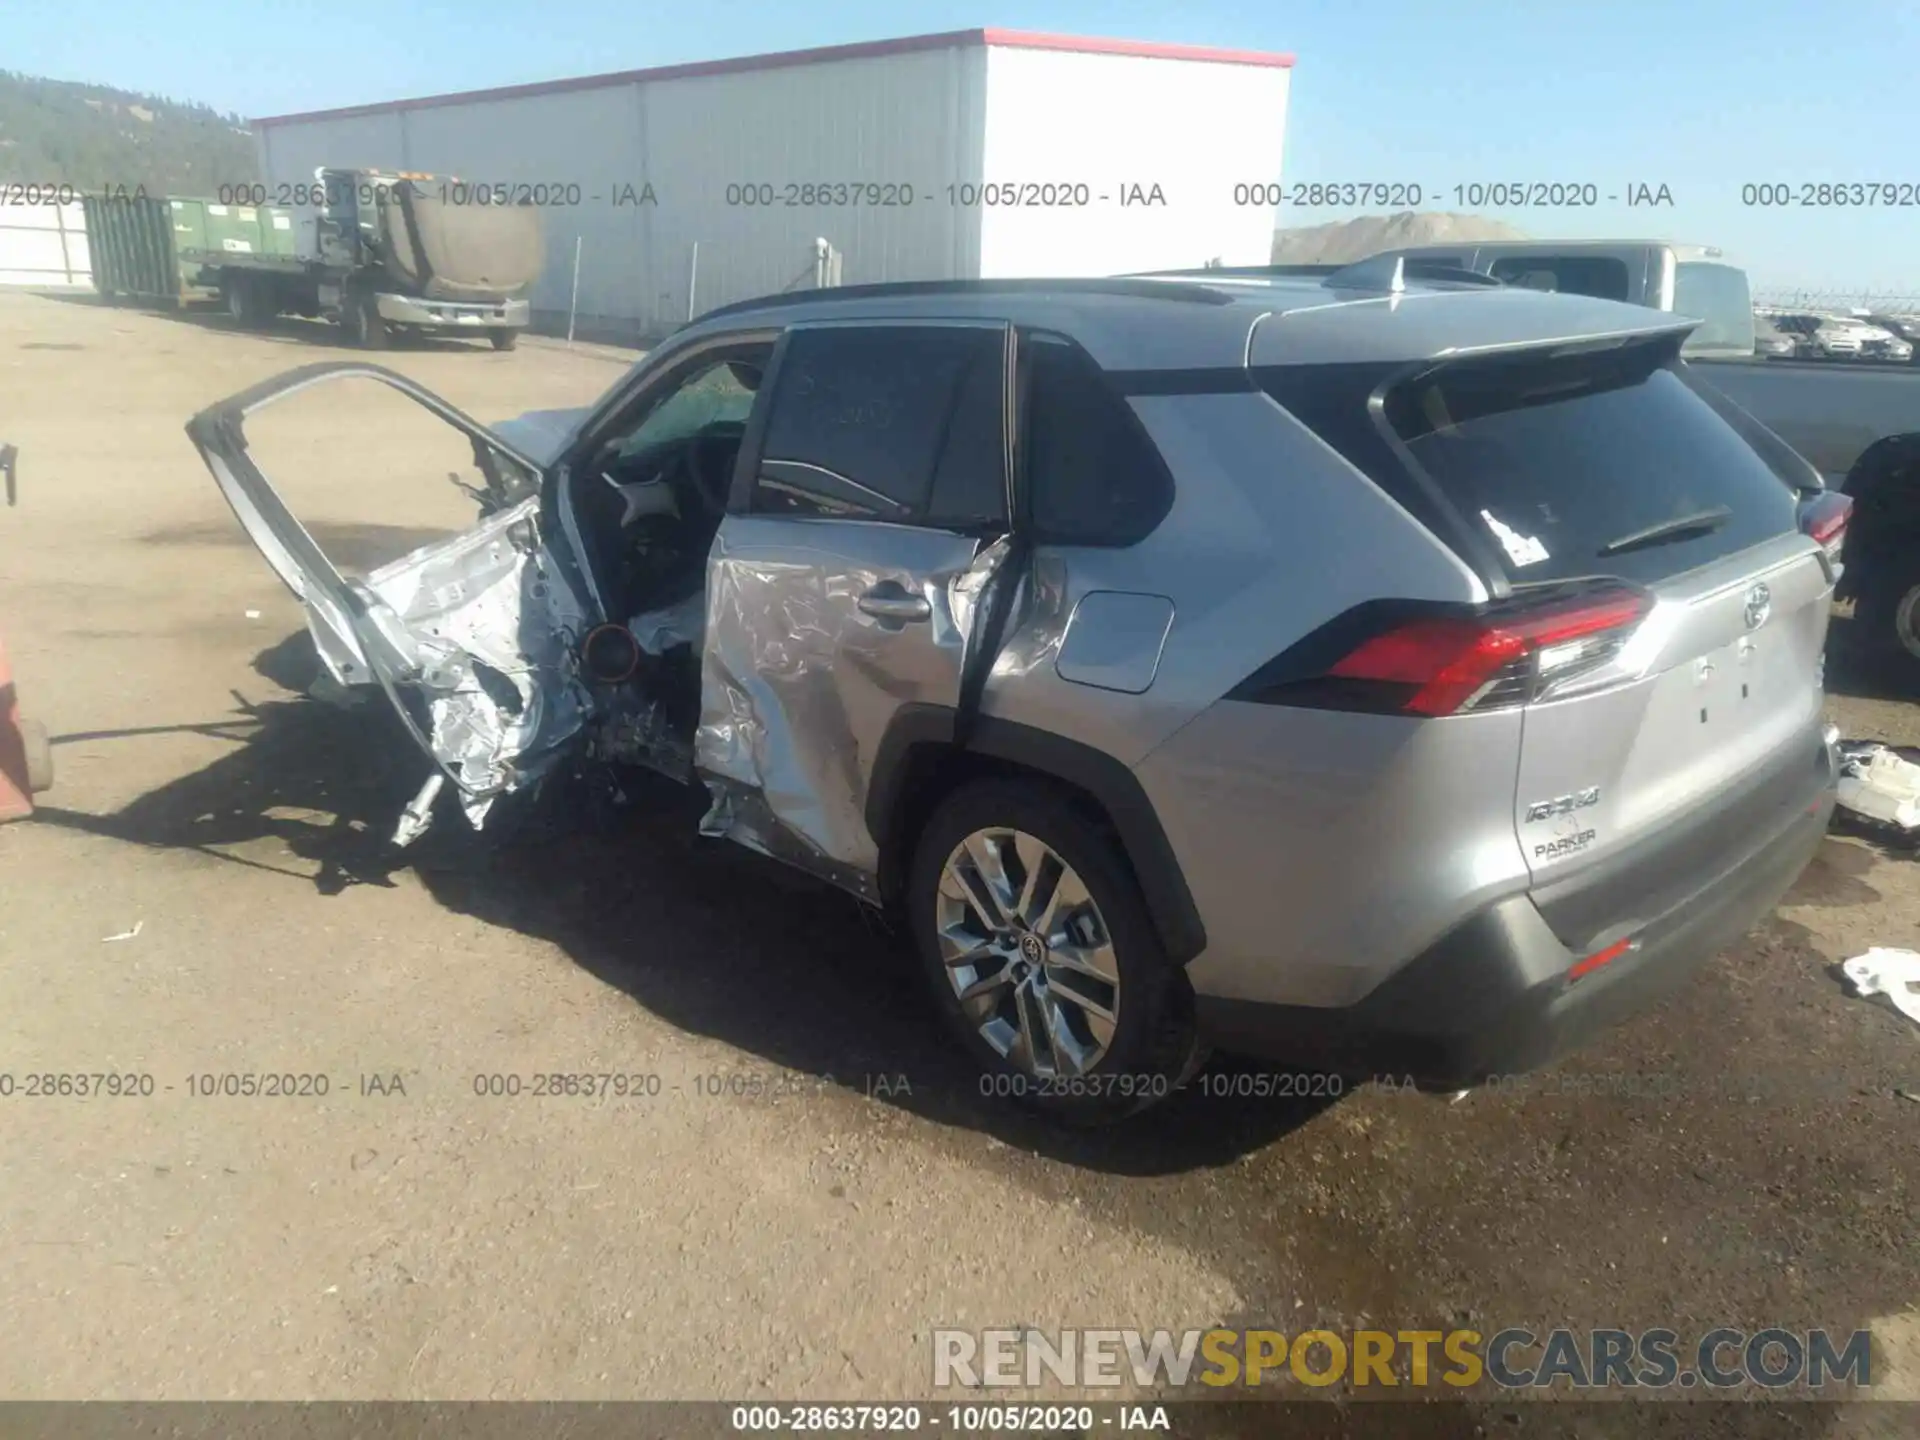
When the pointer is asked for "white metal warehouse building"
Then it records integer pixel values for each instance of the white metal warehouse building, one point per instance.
(1126, 156)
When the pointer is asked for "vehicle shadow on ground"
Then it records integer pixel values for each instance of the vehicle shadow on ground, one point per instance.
(280, 330)
(706, 935)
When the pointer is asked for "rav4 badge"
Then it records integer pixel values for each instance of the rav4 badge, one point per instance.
(1563, 804)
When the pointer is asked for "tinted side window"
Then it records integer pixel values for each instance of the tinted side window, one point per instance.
(970, 474)
(1600, 276)
(1093, 473)
(895, 422)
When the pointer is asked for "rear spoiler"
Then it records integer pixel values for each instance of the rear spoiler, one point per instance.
(1385, 274)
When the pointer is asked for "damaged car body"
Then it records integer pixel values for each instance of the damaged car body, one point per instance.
(576, 616)
(1359, 672)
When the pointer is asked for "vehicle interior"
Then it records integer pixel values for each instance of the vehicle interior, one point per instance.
(646, 506)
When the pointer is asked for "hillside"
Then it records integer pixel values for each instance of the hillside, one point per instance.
(1348, 240)
(98, 138)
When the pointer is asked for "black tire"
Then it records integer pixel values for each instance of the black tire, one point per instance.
(1887, 613)
(1155, 1049)
(365, 329)
(242, 301)
(504, 337)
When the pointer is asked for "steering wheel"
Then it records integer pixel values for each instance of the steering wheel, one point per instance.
(705, 458)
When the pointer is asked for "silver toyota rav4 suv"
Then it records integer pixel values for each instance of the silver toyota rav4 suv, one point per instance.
(1373, 675)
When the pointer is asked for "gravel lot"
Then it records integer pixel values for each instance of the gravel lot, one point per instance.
(796, 1242)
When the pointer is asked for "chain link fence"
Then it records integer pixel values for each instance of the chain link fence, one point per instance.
(1839, 302)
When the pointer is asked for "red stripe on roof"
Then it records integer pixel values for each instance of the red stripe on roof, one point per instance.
(865, 50)
(1147, 49)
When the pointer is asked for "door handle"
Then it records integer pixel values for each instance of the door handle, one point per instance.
(888, 601)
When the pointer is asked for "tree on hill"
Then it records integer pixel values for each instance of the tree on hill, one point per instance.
(99, 139)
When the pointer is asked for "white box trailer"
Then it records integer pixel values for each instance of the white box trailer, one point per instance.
(43, 237)
(978, 153)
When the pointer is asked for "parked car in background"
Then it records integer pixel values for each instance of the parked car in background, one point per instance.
(1906, 327)
(1831, 337)
(1799, 326)
(1888, 347)
(979, 600)
(1771, 342)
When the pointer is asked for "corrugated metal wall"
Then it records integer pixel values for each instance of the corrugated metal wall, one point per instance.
(910, 120)
(916, 120)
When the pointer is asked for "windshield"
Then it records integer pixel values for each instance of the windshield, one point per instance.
(717, 394)
(1719, 297)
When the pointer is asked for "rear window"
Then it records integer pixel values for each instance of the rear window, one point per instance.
(1602, 463)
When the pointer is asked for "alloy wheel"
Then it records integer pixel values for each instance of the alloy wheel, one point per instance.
(1027, 953)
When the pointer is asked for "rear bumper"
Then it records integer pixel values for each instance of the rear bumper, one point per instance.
(1494, 995)
(448, 315)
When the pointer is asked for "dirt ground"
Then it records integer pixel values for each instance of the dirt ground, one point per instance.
(750, 1227)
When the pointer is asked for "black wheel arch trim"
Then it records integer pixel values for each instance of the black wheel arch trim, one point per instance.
(1886, 514)
(1111, 785)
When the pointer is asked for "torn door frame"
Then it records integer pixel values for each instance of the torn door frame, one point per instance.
(499, 715)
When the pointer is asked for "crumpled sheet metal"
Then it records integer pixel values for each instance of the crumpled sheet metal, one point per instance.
(781, 666)
(757, 682)
(486, 627)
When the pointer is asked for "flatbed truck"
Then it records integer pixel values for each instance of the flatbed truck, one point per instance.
(378, 253)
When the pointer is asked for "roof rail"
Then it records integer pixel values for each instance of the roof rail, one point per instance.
(1139, 287)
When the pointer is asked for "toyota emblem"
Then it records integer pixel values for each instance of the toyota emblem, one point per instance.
(1759, 605)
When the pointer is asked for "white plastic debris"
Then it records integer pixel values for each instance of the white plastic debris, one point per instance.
(1880, 785)
(1892, 973)
(124, 934)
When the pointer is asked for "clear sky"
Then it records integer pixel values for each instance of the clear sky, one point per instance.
(1702, 96)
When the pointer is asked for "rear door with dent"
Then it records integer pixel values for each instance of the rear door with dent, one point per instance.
(868, 545)
(468, 629)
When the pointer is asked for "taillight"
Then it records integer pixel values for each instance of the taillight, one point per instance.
(1825, 518)
(1449, 660)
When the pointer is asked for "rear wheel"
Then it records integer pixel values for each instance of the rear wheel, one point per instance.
(504, 337)
(1035, 939)
(243, 300)
(1888, 611)
(364, 327)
